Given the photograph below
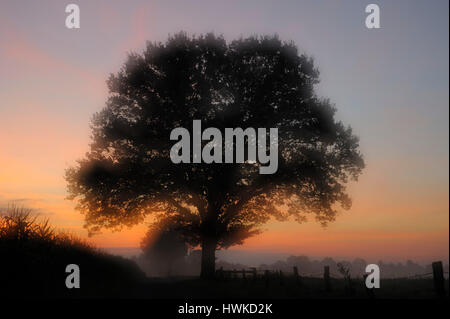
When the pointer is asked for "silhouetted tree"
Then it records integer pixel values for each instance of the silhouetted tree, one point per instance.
(164, 247)
(253, 82)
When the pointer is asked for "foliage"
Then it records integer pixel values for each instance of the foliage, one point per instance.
(34, 257)
(250, 82)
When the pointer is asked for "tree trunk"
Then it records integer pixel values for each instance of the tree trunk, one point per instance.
(208, 259)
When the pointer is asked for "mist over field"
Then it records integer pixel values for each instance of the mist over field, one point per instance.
(265, 260)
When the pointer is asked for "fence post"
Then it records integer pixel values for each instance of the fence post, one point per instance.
(297, 276)
(281, 278)
(243, 274)
(254, 274)
(234, 274)
(266, 276)
(438, 277)
(221, 274)
(326, 277)
(370, 291)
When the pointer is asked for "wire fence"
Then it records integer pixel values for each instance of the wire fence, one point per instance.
(262, 272)
(438, 275)
(253, 272)
(340, 276)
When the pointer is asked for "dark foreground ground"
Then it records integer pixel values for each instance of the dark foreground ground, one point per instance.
(309, 288)
(194, 288)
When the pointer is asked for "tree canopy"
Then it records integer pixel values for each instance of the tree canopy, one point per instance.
(258, 82)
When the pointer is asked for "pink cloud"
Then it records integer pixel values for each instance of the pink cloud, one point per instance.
(21, 51)
(139, 29)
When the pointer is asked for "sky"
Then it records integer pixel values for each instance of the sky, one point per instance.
(390, 84)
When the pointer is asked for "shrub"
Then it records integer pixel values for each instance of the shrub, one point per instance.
(34, 257)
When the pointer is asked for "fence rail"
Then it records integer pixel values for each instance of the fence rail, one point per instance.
(270, 275)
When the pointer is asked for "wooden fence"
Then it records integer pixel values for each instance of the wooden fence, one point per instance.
(273, 276)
